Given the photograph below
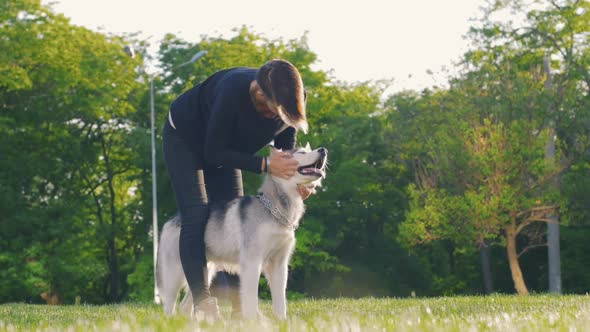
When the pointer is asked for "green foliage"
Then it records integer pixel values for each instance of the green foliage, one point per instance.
(576, 193)
(493, 124)
(574, 245)
(141, 279)
(58, 121)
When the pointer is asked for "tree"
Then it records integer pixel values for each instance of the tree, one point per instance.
(66, 92)
(504, 188)
(499, 202)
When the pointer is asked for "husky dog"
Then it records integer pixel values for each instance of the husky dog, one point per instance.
(247, 236)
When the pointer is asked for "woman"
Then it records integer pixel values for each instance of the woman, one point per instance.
(212, 133)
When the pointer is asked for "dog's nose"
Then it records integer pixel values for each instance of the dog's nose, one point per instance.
(323, 151)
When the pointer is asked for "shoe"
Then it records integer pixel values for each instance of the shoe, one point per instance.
(207, 309)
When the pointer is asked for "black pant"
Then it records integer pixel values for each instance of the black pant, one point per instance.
(195, 185)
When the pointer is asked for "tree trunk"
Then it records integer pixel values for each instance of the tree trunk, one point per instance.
(553, 251)
(553, 255)
(114, 271)
(114, 262)
(52, 297)
(486, 270)
(519, 284)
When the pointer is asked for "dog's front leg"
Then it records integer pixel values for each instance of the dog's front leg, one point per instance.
(277, 273)
(249, 276)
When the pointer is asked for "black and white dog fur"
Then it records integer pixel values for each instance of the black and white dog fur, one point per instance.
(248, 236)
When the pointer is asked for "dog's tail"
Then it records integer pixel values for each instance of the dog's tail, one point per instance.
(170, 229)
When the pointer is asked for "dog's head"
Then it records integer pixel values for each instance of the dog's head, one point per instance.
(312, 165)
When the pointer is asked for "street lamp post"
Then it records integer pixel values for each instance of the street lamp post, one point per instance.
(154, 189)
(130, 51)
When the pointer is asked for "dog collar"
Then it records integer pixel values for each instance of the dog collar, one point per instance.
(267, 203)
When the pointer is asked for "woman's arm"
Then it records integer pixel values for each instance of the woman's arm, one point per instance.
(219, 133)
(287, 139)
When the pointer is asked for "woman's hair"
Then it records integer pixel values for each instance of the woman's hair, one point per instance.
(280, 81)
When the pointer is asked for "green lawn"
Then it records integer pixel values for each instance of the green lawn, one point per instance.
(493, 313)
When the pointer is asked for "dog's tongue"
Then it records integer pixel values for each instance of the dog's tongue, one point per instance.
(310, 169)
(313, 170)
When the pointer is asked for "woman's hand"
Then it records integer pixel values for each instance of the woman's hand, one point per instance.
(282, 164)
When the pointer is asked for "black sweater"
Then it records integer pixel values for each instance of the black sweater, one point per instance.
(219, 121)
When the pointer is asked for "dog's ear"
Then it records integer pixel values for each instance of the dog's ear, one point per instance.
(307, 147)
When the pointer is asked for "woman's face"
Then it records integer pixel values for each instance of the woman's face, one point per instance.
(266, 106)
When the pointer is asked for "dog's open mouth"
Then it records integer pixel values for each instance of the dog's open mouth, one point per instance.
(316, 169)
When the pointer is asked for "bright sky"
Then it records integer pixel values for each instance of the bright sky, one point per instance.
(357, 40)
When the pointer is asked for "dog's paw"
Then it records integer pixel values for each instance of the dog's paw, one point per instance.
(207, 309)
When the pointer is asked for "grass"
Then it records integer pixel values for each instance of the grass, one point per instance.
(492, 313)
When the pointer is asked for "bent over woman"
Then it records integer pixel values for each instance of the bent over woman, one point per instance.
(212, 133)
